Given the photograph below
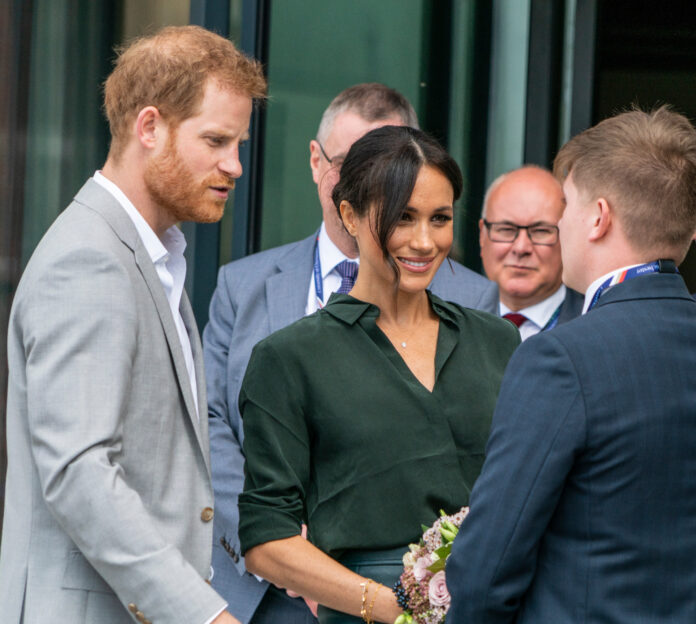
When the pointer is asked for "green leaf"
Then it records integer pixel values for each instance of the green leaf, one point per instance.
(444, 551)
(448, 536)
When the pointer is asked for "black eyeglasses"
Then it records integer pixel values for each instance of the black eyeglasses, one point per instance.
(336, 161)
(539, 234)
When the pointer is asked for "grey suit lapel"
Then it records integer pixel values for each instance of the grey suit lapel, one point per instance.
(101, 201)
(194, 338)
(287, 290)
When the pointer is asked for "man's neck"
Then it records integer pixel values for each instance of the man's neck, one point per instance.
(610, 264)
(132, 183)
(344, 241)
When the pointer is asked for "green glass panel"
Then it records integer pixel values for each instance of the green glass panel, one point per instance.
(317, 49)
(67, 135)
(508, 97)
(227, 222)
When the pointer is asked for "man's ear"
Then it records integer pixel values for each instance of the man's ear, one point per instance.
(602, 216)
(349, 217)
(147, 126)
(314, 158)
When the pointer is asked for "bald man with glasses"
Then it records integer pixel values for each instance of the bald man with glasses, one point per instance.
(520, 250)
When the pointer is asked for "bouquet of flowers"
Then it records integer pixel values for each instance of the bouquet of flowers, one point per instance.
(421, 590)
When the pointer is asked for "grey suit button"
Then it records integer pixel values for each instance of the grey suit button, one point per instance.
(207, 514)
(132, 608)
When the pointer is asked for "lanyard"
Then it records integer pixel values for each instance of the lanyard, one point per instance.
(318, 281)
(659, 266)
(553, 321)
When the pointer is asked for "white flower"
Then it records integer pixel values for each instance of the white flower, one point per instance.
(420, 569)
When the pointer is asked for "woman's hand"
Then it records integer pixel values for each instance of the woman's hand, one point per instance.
(293, 563)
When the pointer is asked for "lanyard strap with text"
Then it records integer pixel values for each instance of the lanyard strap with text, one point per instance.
(553, 321)
(660, 266)
(318, 281)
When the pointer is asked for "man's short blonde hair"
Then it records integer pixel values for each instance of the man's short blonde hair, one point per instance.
(644, 164)
(169, 70)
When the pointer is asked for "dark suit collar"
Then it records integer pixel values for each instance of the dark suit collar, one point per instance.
(572, 306)
(653, 286)
(287, 290)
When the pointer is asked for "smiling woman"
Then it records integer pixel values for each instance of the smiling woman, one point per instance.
(381, 402)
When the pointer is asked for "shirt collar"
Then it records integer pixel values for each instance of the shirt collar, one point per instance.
(349, 309)
(589, 295)
(540, 313)
(329, 254)
(173, 241)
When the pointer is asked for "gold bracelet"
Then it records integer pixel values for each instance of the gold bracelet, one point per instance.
(369, 619)
(363, 611)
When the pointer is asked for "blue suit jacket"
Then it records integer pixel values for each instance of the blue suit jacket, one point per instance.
(256, 296)
(585, 510)
(572, 306)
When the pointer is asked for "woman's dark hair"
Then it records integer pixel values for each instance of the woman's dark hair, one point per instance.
(380, 171)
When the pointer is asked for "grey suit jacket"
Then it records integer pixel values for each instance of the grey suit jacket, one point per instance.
(256, 296)
(108, 462)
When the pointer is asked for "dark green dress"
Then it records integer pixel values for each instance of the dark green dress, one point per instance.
(338, 432)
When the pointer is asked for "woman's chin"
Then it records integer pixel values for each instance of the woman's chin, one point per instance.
(413, 286)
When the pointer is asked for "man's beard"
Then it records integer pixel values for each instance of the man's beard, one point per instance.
(173, 187)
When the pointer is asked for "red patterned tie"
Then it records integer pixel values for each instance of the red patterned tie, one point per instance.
(516, 319)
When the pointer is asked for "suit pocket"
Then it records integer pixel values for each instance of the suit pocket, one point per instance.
(79, 574)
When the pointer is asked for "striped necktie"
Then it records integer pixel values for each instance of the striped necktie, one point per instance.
(348, 271)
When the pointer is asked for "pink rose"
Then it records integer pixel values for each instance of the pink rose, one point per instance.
(420, 569)
(437, 590)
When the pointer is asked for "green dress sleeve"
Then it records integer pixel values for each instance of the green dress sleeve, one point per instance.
(276, 446)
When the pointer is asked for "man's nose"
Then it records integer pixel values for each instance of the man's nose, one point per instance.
(230, 165)
(523, 243)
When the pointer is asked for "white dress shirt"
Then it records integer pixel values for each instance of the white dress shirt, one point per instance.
(329, 257)
(167, 255)
(538, 315)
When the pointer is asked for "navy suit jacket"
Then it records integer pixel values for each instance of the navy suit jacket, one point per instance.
(585, 510)
(256, 296)
(572, 306)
